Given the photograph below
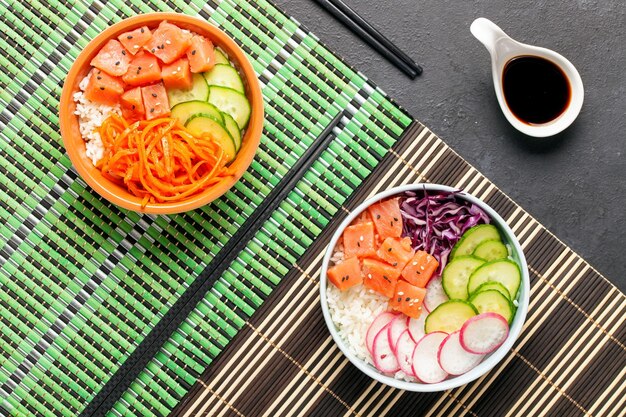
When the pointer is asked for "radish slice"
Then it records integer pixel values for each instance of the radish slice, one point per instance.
(435, 294)
(379, 322)
(404, 352)
(382, 354)
(396, 328)
(425, 364)
(453, 358)
(416, 327)
(484, 333)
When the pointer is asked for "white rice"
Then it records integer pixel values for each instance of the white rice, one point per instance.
(91, 116)
(352, 312)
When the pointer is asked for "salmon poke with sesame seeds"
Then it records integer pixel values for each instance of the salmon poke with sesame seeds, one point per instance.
(422, 286)
(163, 112)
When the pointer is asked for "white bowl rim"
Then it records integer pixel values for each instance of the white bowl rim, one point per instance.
(487, 364)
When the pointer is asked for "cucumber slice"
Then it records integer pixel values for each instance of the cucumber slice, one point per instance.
(231, 102)
(223, 75)
(200, 125)
(492, 285)
(493, 301)
(490, 250)
(474, 237)
(220, 57)
(233, 129)
(191, 109)
(456, 274)
(449, 316)
(504, 271)
(199, 91)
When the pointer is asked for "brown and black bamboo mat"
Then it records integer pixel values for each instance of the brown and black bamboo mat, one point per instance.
(570, 359)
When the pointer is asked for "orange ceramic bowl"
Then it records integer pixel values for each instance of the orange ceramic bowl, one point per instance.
(75, 145)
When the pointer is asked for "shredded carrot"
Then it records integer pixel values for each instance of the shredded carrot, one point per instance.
(158, 160)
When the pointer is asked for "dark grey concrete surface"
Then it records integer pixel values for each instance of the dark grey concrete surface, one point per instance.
(574, 184)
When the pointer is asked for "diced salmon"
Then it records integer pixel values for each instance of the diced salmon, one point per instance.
(346, 274)
(132, 105)
(155, 101)
(177, 74)
(112, 59)
(380, 277)
(134, 40)
(201, 54)
(420, 268)
(358, 240)
(143, 69)
(364, 217)
(168, 42)
(408, 299)
(396, 252)
(103, 88)
(387, 218)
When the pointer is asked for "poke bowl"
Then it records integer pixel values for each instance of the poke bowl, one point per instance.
(424, 287)
(161, 113)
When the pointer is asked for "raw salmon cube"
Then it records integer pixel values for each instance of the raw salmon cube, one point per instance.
(420, 268)
(132, 105)
(201, 54)
(396, 252)
(387, 218)
(103, 88)
(358, 240)
(143, 69)
(168, 42)
(112, 59)
(177, 74)
(408, 299)
(134, 40)
(346, 274)
(380, 277)
(155, 101)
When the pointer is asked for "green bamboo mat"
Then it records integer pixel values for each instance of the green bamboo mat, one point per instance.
(82, 283)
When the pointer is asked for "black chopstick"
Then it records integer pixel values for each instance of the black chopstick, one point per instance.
(369, 34)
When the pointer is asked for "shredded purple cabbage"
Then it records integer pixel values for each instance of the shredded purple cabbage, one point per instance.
(436, 220)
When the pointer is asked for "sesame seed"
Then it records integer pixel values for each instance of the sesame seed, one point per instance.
(414, 263)
(162, 46)
(168, 42)
(174, 72)
(101, 88)
(152, 50)
(117, 62)
(378, 216)
(152, 110)
(154, 95)
(407, 299)
(142, 31)
(369, 276)
(400, 292)
(422, 267)
(361, 238)
(133, 107)
(99, 77)
(129, 37)
(193, 52)
(135, 46)
(178, 69)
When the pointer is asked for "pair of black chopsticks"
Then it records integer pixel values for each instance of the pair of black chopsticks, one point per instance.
(371, 35)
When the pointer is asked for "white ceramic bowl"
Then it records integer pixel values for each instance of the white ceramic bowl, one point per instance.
(489, 362)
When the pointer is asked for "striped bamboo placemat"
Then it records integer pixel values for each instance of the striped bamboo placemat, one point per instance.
(569, 360)
(104, 311)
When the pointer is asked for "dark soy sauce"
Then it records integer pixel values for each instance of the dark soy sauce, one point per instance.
(536, 90)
